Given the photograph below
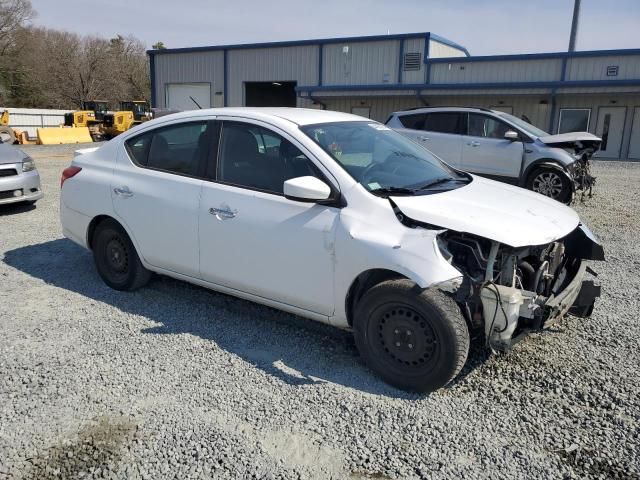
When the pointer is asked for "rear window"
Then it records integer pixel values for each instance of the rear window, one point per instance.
(443, 122)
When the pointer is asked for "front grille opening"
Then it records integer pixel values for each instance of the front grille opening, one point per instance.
(8, 172)
(10, 194)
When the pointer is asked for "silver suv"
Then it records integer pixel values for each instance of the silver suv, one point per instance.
(500, 146)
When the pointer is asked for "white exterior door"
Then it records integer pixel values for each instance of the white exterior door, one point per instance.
(634, 143)
(156, 196)
(187, 96)
(255, 240)
(610, 128)
(485, 150)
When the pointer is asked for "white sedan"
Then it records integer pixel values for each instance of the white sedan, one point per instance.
(336, 218)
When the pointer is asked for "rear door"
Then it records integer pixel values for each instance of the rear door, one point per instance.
(485, 150)
(156, 189)
(439, 132)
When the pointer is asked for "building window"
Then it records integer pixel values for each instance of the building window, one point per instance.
(574, 120)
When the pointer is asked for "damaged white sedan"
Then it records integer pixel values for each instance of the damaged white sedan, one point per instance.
(336, 218)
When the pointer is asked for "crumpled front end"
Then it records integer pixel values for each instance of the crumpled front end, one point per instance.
(509, 291)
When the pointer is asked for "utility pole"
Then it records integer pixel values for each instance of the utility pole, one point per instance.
(574, 26)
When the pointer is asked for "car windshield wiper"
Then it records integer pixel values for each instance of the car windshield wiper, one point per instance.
(438, 181)
(393, 191)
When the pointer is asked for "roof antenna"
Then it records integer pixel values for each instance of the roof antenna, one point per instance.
(194, 101)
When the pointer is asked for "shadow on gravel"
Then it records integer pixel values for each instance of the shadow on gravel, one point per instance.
(16, 208)
(293, 349)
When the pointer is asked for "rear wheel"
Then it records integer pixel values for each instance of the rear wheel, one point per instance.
(414, 339)
(8, 131)
(116, 258)
(551, 183)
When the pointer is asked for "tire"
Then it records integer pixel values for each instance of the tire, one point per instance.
(9, 131)
(116, 258)
(551, 183)
(395, 313)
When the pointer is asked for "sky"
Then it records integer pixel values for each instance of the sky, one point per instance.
(484, 27)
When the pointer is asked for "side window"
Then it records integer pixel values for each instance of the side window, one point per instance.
(488, 127)
(443, 122)
(254, 157)
(178, 149)
(416, 121)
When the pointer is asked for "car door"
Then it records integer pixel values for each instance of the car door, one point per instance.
(439, 132)
(156, 189)
(255, 240)
(485, 151)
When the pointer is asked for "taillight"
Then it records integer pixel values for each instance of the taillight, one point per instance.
(67, 173)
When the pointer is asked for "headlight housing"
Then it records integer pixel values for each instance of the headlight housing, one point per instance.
(28, 164)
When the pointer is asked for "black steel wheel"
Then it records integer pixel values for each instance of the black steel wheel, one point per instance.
(414, 339)
(116, 258)
(551, 183)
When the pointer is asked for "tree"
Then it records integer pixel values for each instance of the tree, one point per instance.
(158, 46)
(13, 16)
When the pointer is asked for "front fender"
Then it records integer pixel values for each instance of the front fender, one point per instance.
(544, 163)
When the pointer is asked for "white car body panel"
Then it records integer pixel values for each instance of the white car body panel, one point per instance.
(570, 137)
(296, 256)
(494, 210)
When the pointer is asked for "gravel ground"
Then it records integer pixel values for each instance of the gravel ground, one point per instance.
(175, 381)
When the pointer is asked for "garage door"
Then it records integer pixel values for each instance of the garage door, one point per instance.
(184, 96)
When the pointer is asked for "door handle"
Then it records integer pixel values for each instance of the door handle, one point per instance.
(123, 191)
(474, 143)
(222, 213)
(423, 138)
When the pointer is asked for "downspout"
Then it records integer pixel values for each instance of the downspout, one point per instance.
(421, 98)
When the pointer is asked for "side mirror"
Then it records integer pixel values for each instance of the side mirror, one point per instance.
(306, 189)
(511, 135)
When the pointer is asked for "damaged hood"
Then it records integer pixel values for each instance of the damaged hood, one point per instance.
(504, 213)
(572, 139)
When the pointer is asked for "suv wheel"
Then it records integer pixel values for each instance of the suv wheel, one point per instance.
(116, 258)
(414, 339)
(551, 183)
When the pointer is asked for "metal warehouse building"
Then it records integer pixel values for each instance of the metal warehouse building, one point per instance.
(597, 91)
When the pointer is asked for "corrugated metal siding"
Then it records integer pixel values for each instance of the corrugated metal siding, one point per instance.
(498, 71)
(29, 119)
(194, 67)
(440, 50)
(364, 63)
(595, 68)
(414, 45)
(381, 108)
(298, 64)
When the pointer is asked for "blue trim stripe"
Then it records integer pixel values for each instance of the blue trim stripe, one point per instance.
(320, 60)
(400, 61)
(467, 86)
(538, 56)
(225, 74)
(152, 80)
(295, 43)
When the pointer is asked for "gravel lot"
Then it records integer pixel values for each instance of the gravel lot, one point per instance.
(175, 381)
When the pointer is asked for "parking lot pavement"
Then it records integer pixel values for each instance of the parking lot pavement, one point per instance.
(174, 381)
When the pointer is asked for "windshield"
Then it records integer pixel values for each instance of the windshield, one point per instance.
(526, 126)
(383, 161)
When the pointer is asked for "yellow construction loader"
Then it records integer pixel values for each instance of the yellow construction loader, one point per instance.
(91, 116)
(15, 136)
(130, 114)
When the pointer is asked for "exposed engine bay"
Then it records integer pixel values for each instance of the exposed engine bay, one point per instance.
(582, 150)
(511, 291)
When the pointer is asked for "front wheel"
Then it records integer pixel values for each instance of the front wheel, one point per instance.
(414, 339)
(551, 183)
(116, 258)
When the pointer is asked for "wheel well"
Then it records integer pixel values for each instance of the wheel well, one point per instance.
(92, 227)
(541, 165)
(364, 282)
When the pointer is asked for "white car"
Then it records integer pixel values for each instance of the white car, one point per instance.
(502, 147)
(336, 218)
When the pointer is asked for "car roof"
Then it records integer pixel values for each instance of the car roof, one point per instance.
(413, 111)
(299, 116)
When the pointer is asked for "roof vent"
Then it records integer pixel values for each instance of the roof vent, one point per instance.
(412, 61)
